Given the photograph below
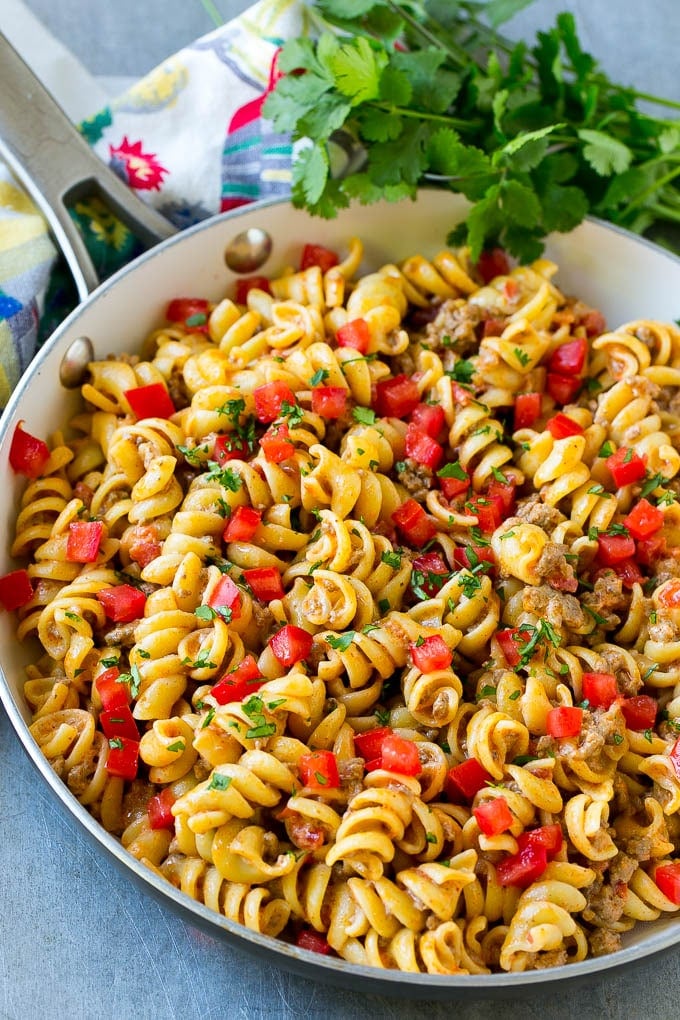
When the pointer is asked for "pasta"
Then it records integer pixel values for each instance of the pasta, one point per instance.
(358, 600)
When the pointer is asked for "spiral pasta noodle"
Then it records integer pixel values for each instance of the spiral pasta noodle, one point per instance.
(359, 628)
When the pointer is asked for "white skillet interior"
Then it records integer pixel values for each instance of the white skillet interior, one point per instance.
(625, 277)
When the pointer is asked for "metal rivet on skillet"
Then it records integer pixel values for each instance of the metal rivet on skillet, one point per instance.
(248, 250)
(73, 367)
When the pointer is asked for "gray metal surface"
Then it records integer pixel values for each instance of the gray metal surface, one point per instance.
(78, 939)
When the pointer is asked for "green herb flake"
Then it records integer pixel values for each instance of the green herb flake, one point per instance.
(176, 747)
(341, 642)
(363, 415)
(219, 782)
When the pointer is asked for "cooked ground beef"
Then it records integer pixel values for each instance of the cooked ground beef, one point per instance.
(535, 511)
(603, 941)
(615, 662)
(607, 595)
(599, 728)
(622, 868)
(351, 775)
(552, 958)
(666, 568)
(179, 394)
(122, 634)
(416, 479)
(554, 567)
(605, 903)
(454, 326)
(559, 608)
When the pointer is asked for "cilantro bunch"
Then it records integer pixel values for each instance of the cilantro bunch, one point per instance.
(535, 137)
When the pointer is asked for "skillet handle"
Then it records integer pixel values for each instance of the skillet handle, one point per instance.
(56, 166)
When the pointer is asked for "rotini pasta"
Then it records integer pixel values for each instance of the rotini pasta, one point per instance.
(359, 609)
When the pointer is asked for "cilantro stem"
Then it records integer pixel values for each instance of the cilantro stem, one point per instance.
(456, 54)
(656, 186)
(441, 118)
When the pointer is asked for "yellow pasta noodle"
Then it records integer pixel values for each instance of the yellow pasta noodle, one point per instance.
(358, 605)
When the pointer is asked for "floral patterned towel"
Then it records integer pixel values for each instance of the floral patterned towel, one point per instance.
(189, 138)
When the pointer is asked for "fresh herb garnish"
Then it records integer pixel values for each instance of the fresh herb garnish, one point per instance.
(364, 415)
(536, 136)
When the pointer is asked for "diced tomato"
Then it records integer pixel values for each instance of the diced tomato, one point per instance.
(562, 388)
(668, 595)
(629, 572)
(118, 722)
(524, 867)
(509, 642)
(560, 426)
(626, 466)
(423, 449)
(242, 524)
(355, 334)
(461, 395)
(454, 480)
(432, 654)
(527, 409)
(400, 755)
(329, 401)
(650, 549)
(82, 544)
(414, 524)
(505, 492)
(226, 595)
(594, 322)
(265, 583)
(277, 445)
(564, 721)
(369, 744)
(644, 519)
(159, 810)
(145, 545)
(488, 510)
(492, 262)
(492, 327)
(547, 836)
(181, 309)
(397, 397)
(15, 589)
(434, 570)
(123, 759)
(317, 255)
(152, 401)
(639, 712)
(674, 755)
(112, 693)
(429, 418)
(229, 447)
(463, 781)
(239, 683)
(569, 358)
(600, 690)
(28, 455)
(313, 942)
(470, 556)
(493, 816)
(319, 770)
(247, 283)
(122, 604)
(270, 397)
(291, 644)
(614, 548)
(667, 878)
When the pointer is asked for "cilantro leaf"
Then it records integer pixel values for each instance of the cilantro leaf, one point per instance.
(606, 154)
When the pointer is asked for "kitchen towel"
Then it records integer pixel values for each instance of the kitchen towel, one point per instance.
(189, 138)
